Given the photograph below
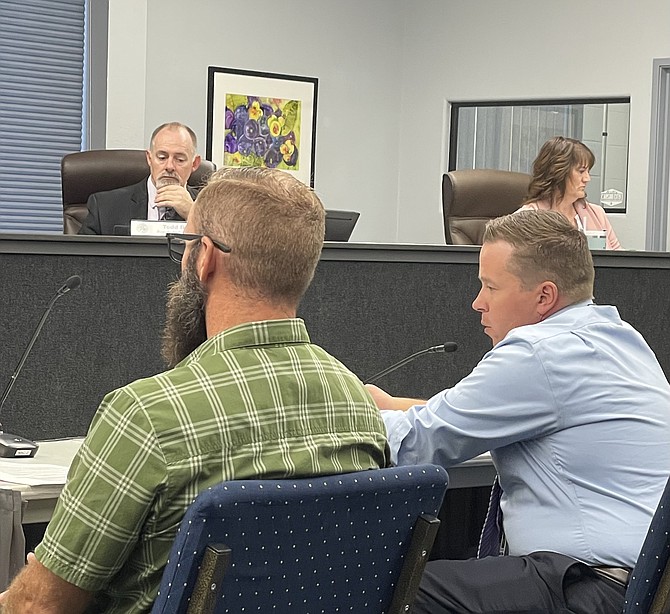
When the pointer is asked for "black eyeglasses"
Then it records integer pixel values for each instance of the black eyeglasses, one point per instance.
(176, 243)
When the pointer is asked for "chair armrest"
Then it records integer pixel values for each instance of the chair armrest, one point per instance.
(210, 576)
(423, 536)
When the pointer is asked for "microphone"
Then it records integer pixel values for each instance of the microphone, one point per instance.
(449, 346)
(13, 446)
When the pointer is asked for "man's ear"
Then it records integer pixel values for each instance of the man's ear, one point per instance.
(196, 163)
(547, 297)
(148, 155)
(207, 260)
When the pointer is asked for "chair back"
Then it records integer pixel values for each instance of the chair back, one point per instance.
(470, 198)
(648, 589)
(86, 172)
(308, 545)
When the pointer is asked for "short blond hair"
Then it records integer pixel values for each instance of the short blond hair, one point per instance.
(546, 248)
(274, 225)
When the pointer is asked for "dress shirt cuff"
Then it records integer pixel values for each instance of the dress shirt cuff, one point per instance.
(397, 427)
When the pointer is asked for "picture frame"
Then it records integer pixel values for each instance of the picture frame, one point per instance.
(262, 119)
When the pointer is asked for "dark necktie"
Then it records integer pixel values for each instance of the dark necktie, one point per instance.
(169, 214)
(490, 541)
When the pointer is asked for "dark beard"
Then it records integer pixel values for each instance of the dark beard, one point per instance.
(185, 328)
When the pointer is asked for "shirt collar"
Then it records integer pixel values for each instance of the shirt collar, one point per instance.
(567, 308)
(253, 334)
(152, 210)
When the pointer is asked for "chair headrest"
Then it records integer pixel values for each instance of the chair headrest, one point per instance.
(472, 197)
(85, 172)
(484, 192)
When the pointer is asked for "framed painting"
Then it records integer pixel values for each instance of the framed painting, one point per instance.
(262, 119)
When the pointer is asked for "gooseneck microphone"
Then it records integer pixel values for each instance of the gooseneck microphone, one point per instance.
(449, 346)
(13, 446)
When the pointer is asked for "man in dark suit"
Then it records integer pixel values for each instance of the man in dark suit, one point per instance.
(164, 194)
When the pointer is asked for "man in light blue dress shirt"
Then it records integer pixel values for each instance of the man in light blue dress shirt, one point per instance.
(575, 410)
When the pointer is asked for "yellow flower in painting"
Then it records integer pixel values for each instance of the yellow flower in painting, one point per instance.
(287, 149)
(236, 158)
(255, 111)
(275, 126)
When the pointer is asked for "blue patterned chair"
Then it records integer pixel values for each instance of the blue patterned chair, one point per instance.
(357, 542)
(648, 589)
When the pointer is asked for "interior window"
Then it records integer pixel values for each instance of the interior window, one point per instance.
(507, 135)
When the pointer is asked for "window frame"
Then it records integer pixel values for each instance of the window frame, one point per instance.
(457, 106)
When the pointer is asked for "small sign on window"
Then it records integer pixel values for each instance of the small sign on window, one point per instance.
(611, 198)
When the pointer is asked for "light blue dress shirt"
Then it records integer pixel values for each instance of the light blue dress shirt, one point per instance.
(576, 413)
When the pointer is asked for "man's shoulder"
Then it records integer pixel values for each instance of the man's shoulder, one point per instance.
(136, 397)
(566, 322)
(586, 314)
(147, 386)
(122, 192)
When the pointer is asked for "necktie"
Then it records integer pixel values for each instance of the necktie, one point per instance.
(169, 214)
(490, 541)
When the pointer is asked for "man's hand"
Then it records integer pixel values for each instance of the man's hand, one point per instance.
(385, 401)
(36, 590)
(175, 196)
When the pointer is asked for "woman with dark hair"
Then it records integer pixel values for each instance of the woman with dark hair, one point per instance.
(560, 176)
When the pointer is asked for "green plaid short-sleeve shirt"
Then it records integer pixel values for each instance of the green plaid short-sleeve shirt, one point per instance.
(258, 400)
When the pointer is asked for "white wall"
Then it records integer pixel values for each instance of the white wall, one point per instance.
(386, 70)
(126, 73)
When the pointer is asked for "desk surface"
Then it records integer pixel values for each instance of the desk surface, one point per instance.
(40, 501)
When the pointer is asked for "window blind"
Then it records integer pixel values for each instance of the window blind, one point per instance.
(41, 89)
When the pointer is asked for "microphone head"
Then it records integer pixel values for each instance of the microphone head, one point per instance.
(71, 283)
(449, 346)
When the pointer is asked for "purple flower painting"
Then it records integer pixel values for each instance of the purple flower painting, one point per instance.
(262, 132)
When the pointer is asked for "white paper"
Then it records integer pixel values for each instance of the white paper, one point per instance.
(31, 474)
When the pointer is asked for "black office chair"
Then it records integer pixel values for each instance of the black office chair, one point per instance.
(85, 172)
(470, 198)
(648, 589)
(357, 542)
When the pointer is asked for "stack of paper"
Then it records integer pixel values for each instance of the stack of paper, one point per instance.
(23, 471)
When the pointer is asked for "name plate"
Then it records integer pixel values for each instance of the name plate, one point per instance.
(597, 239)
(154, 228)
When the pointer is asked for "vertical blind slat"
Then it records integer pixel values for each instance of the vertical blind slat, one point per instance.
(41, 107)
